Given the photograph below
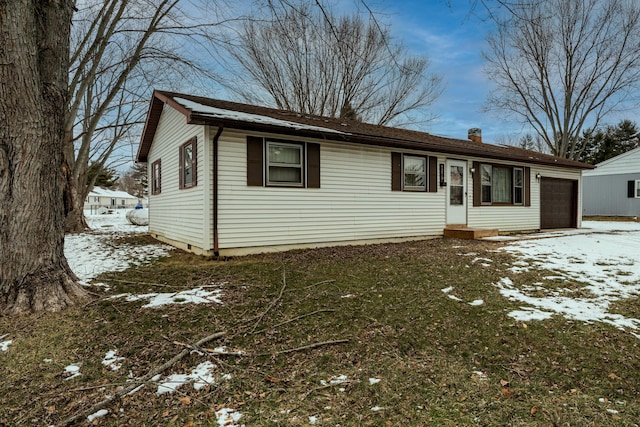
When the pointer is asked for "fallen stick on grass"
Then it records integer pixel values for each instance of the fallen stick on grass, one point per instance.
(138, 384)
(324, 310)
(304, 347)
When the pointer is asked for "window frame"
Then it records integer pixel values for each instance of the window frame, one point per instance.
(192, 165)
(515, 187)
(483, 201)
(268, 164)
(257, 163)
(637, 192)
(425, 164)
(480, 185)
(156, 177)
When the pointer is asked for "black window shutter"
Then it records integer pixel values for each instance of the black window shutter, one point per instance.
(313, 165)
(631, 189)
(433, 174)
(527, 186)
(477, 184)
(255, 163)
(396, 172)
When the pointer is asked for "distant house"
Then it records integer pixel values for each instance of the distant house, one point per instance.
(228, 178)
(111, 199)
(613, 188)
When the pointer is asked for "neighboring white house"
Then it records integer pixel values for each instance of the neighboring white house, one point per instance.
(228, 179)
(613, 188)
(111, 199)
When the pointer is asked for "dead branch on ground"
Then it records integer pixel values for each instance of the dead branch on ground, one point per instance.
(138, 384)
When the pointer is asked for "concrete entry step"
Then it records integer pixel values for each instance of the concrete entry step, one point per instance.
(464, 232)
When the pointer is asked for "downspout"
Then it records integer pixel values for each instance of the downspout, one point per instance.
(216, 251)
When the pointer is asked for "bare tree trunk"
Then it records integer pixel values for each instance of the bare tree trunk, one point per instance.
(34, 56)
(74, 196)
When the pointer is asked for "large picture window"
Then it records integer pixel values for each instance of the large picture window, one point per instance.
(500, 185)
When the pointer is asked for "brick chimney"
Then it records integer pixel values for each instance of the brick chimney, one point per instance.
(475, 135)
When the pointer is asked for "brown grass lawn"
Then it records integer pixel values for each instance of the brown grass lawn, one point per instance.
(311, 333)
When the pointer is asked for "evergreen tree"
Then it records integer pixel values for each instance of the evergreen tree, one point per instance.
(104, 177)
(603, 144)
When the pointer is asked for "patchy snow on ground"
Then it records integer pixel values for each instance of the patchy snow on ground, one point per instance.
(99, 414)
(601, 260)
(190, 296)
(228, 417)
(4, 345)
(92, 253)
(200, 376)
(71, 371)
(112, 361)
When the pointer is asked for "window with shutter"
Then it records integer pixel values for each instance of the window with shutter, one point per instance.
(278, 163)
(495, 184)
(411, 172)
(633, 189)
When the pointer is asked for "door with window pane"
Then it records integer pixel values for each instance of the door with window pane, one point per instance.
(456, 192)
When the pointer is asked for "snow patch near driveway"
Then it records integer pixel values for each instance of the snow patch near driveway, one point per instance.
(605, 260)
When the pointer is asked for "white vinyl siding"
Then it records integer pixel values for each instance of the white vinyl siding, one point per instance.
(518, 218)
(176, 214)
(355, 201)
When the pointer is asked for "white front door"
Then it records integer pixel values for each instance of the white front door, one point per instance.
(456, 192)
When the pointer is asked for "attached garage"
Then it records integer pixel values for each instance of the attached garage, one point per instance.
(558, 203)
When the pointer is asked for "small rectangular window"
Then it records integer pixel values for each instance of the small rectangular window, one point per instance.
(188, 164)
(415, 173)
(284, 164)
(487, 179)
(156, 178)
(638, 189)
(518, 186)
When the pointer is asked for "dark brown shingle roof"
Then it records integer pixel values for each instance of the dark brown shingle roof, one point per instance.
(207, 111)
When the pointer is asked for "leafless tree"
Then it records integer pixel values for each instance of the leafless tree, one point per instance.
(306, 59)
(134, 181)
(562, 65)
(34, 64)
(120, 51)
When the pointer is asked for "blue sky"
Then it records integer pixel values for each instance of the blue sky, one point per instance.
(453, 38)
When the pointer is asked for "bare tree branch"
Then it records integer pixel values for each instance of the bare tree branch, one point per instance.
(561, 65)
(305, 59)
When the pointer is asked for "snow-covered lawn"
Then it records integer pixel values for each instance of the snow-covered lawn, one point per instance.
(601, 261)
(92, 253)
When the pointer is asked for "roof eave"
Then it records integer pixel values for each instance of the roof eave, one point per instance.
(471, 149)
(153, 118)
